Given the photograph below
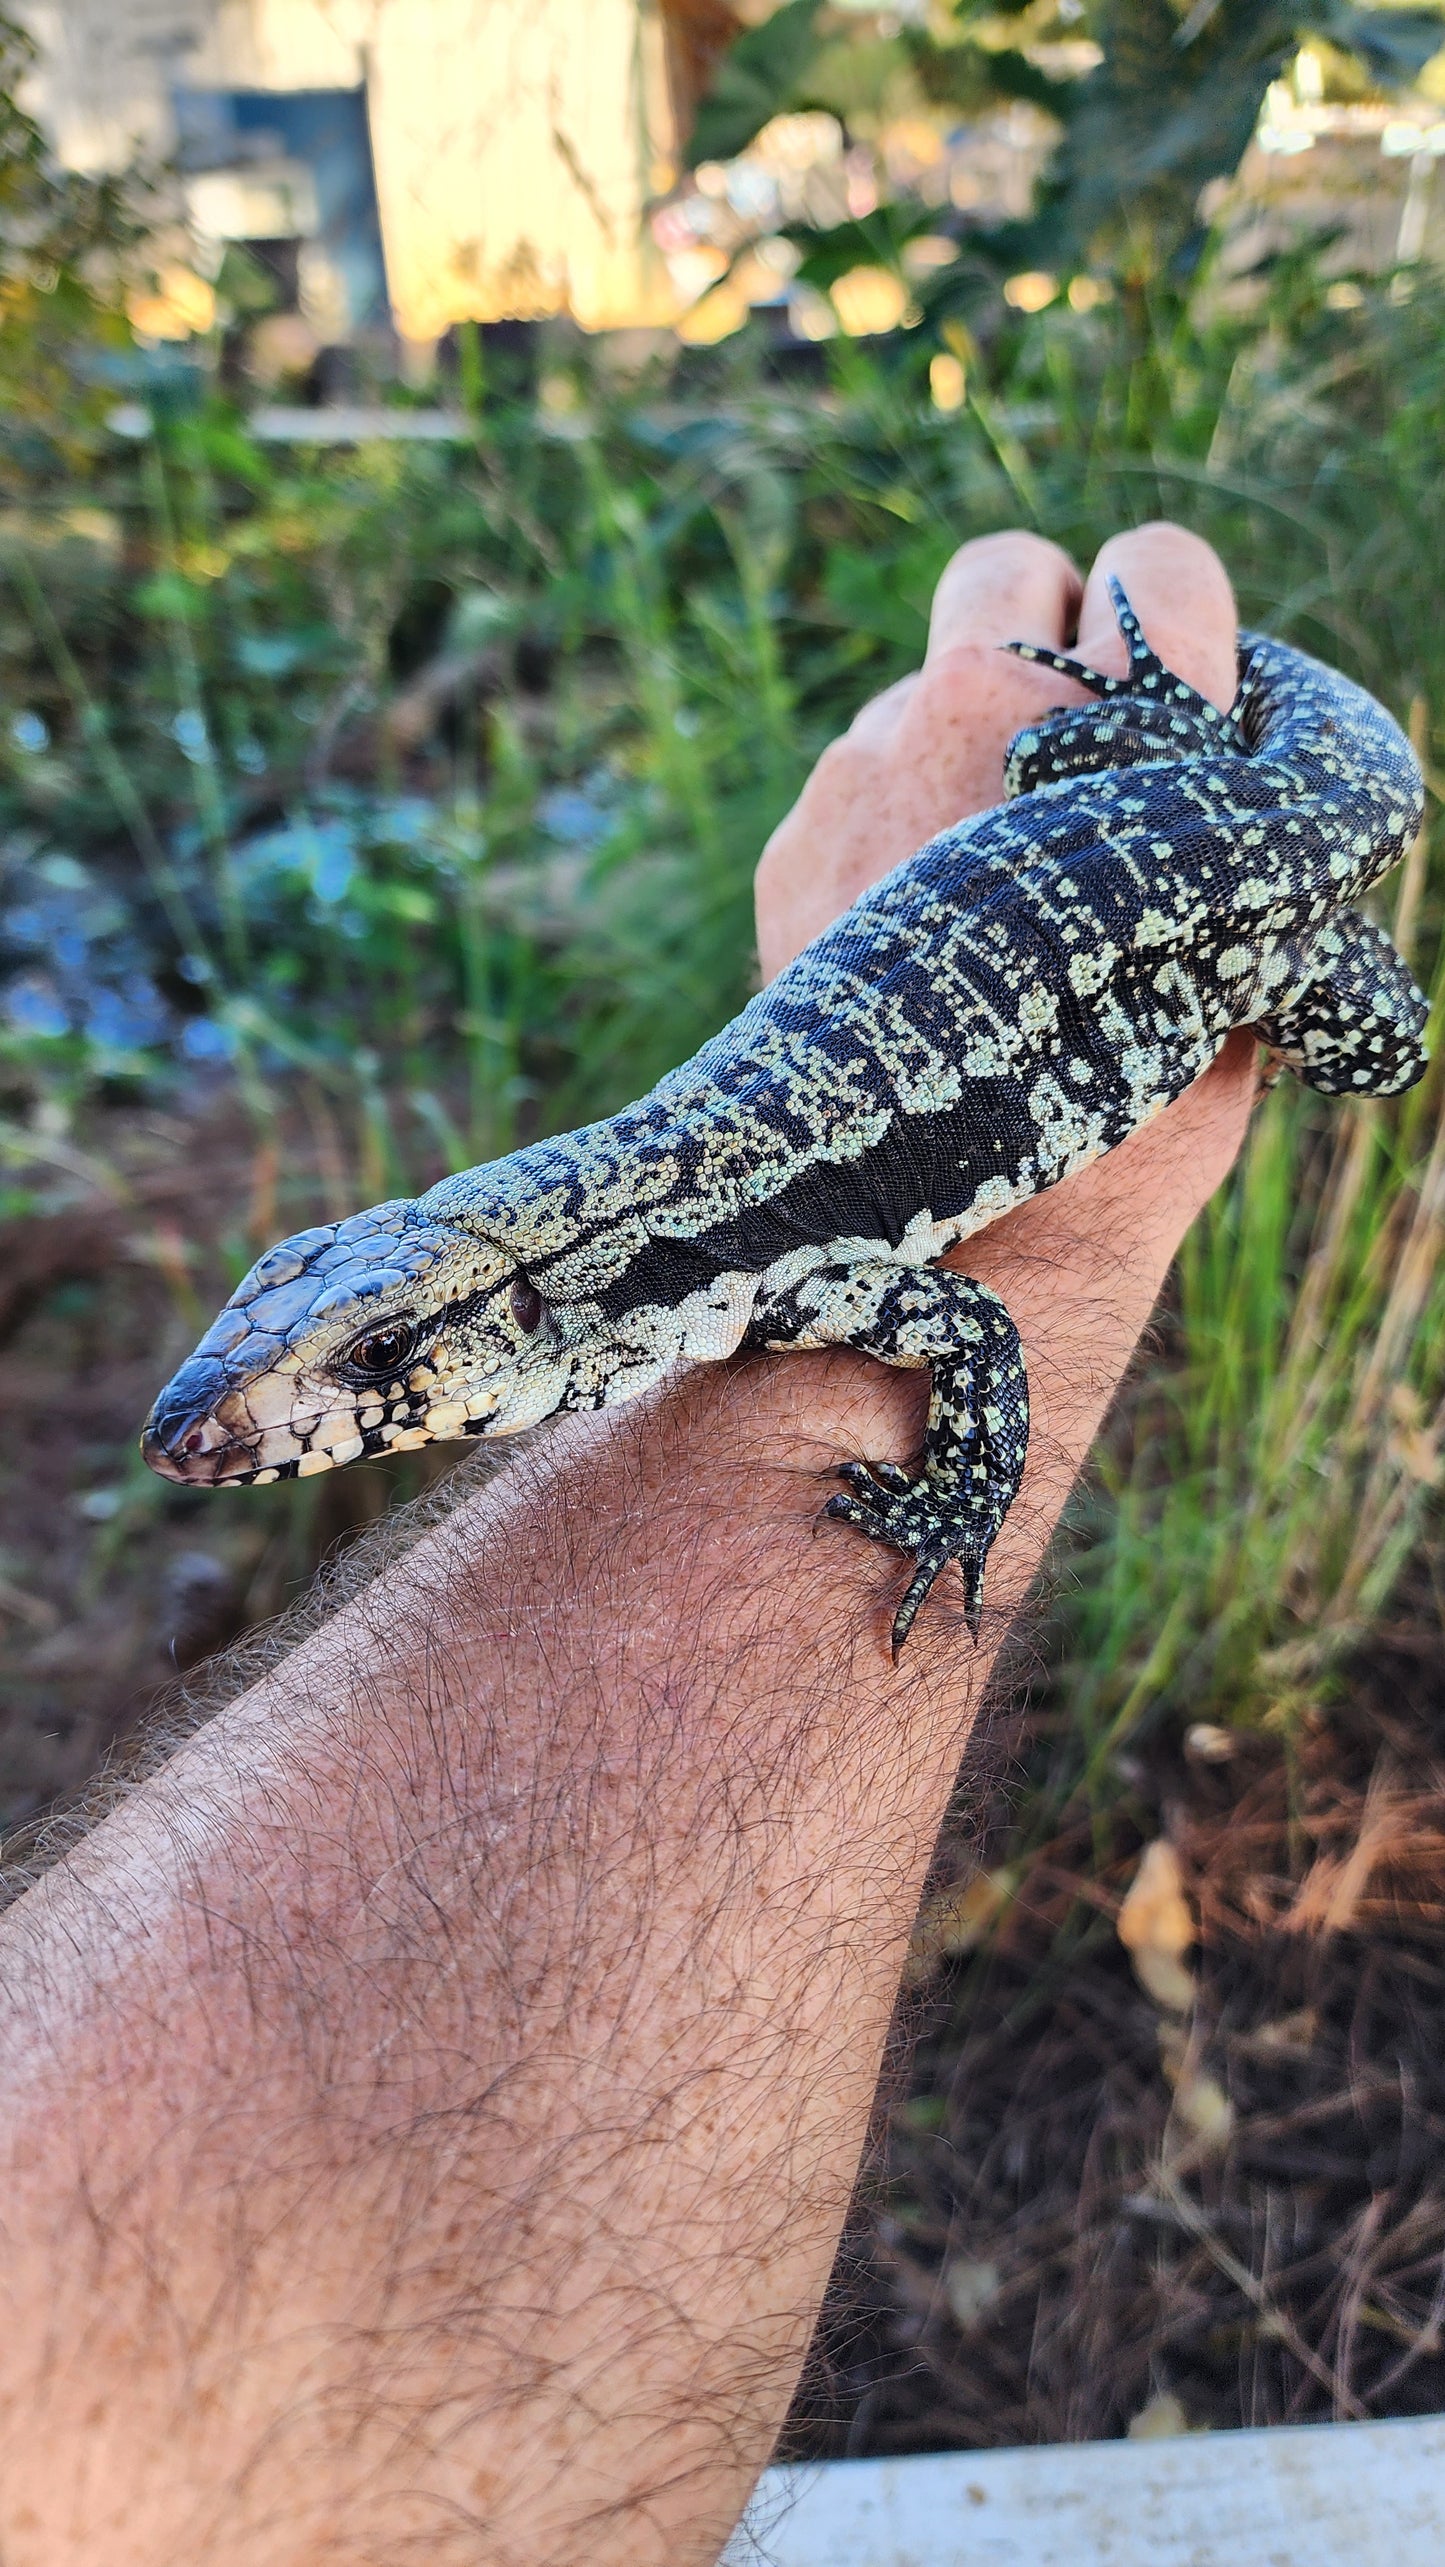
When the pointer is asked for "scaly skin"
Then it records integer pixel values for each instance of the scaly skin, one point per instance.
(1003, 1008)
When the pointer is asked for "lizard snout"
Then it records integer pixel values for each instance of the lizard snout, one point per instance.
(183, 1439)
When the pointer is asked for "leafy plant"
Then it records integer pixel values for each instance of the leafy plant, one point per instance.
(762, 71)
(1173, 103)
(1169, 102)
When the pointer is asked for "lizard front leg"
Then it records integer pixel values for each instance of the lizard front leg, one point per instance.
(978, 1415)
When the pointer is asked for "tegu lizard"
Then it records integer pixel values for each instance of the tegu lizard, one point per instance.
(1029, 988)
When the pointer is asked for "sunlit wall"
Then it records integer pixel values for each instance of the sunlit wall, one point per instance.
(515, 142)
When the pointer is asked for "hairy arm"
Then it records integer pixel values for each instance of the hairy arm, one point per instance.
(430, 2103)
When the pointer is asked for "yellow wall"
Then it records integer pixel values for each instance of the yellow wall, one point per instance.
(515, 146)
(516, 141)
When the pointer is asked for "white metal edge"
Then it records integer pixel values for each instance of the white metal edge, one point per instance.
(1334, 2495)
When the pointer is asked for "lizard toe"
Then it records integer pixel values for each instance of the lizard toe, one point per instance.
(907, 1516)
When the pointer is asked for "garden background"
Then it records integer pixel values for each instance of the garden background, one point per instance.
(368, 807)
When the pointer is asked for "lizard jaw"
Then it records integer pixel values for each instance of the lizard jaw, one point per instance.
(185, 1440)
(201, 1455)
(208, 1433)
(204, 1432)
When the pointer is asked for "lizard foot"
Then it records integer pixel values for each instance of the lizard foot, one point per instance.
(888, 1506)
(978, 1412)
(1149, 715)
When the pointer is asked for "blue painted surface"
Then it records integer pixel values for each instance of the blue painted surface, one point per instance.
(327, 130)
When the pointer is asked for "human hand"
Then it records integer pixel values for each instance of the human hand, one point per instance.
(1081, 1266)
(930, 750)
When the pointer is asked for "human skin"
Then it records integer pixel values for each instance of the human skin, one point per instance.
(431, 2101)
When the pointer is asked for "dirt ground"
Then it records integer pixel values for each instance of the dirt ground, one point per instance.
(111, 1582)
(1088, 2210)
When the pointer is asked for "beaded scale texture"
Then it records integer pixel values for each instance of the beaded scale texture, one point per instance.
(1013, 1001)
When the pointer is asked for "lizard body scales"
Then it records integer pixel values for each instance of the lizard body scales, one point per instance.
(1014, 1000)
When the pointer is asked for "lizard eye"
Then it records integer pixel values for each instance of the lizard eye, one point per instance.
(526, 1305)
(383, 1351)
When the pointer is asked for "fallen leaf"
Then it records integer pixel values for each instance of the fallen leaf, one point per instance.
(1156, 1927)
(1161, 2420)
(1288, 2033)
(1208, 1744)
(1201, 2103)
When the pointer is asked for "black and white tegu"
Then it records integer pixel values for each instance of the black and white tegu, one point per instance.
(1028, 989)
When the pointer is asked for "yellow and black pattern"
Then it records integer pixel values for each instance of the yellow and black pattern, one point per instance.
(996, 1013)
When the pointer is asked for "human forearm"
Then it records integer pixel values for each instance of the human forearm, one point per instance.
(433, 2099)
(539, 1922)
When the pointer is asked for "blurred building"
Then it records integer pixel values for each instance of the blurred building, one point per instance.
(443, 159)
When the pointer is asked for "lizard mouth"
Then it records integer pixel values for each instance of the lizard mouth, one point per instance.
(197, 1451)
(184, 1440)
(206, 1433)
(201, 1434)
(205, 1454)
(197, 1461)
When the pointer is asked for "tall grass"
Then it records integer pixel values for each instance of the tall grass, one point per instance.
(1275, 1471)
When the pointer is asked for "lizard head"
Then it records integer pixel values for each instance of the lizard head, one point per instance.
(365, 1336)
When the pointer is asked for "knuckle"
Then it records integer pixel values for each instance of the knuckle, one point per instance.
(842, 758)
(773, 860)
(954, 677)
(837, 777)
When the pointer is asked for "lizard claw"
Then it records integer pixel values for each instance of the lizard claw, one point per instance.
(901, 1512)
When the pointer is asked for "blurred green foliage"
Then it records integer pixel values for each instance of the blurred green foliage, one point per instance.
(66, 241)
(1173, 103)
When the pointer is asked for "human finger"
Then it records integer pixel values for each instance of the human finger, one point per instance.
(1010, 587)
(971, 694)
(926, 752)
(1180, 591)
